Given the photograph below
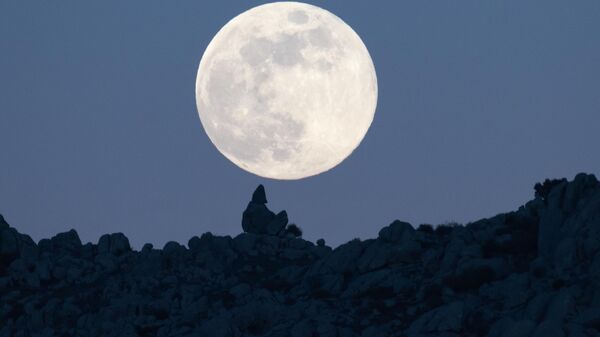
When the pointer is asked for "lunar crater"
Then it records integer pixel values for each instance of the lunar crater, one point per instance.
(298, 17)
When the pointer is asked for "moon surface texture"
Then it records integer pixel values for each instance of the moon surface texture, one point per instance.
(286, 90)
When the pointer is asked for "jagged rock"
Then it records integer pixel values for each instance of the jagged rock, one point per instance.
(13, 244)
(259, 196)
(9, 247)
(67, 241)
(277, 224)
(3, 223)
(256, 218)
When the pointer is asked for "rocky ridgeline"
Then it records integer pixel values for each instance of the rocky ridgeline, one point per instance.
(533, 272)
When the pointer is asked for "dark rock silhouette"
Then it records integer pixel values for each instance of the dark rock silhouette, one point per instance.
(532, 272)
(258, 219)
(259, 196)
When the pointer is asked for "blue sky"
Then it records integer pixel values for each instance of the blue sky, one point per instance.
(477, 102)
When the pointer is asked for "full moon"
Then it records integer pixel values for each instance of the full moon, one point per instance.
(286, 90)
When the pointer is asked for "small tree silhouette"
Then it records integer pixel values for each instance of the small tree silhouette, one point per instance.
(542, 190)
(294, 230)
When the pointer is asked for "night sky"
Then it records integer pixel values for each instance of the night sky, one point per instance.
(478, 100)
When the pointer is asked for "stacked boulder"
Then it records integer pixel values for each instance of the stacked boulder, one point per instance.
(258, 219)
(533, 272)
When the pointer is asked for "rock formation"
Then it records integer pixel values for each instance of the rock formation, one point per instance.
(532, 272)
(258, 219)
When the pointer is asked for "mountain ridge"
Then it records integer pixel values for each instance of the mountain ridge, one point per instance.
(530, 272)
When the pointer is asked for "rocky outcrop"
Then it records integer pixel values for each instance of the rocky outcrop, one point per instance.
(532, 272)
(258, 219)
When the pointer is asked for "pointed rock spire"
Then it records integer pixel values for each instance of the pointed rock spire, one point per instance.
(259, 196)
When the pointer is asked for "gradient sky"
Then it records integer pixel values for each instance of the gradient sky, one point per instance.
(478, 100)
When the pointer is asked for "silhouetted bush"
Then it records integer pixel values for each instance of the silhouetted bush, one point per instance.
(294, 230)
(425, 228)
(542, 190)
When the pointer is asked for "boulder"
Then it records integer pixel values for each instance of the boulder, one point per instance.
(67, 241)
(343, 259)
(173, 248)
(194, 243)
(115, 243)
(397, 231)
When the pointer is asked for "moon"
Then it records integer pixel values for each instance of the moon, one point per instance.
(286, 90)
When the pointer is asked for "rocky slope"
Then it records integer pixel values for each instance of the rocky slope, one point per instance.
(532, 272)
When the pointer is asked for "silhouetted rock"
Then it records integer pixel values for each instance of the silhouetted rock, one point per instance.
(68, 241)
(532, 272)
(542, 190)
(277, 224)
(397, 231)
(258, 219)
(116, 243)
(259, 196)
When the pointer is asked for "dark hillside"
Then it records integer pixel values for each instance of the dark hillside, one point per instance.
(531, 272)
